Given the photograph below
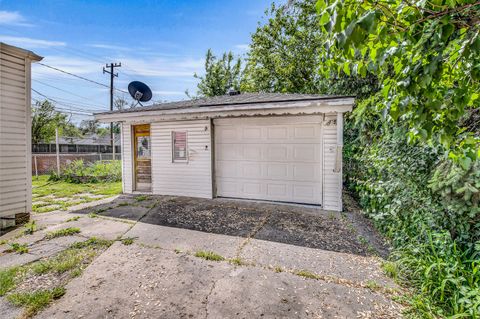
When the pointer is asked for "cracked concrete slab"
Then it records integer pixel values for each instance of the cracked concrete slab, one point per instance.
(328, 263)
(184, 239)
(141, 282)
(38, 250)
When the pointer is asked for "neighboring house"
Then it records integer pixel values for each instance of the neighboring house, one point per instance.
(265, 146)
(92, 143)
(15, 134)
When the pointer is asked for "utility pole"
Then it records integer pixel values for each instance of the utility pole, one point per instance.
(111, 66)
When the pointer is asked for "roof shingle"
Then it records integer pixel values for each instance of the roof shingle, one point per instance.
(239, 99)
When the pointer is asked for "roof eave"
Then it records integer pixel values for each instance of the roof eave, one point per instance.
(20, 52)
(273, 108)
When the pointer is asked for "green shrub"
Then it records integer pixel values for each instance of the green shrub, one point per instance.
(427, 206)
(79, 172)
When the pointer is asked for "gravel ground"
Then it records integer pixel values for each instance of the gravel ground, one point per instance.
(305, 226)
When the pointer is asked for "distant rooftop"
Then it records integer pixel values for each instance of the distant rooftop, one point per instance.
(239, 99)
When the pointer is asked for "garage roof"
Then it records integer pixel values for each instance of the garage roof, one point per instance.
(239, 99)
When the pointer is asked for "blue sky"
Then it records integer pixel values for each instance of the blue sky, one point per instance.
(159, 42)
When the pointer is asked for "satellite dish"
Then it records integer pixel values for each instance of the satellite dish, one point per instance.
(139, 91)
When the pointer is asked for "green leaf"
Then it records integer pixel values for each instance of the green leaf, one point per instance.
(325, 18)
(367, 22)
(346, 68)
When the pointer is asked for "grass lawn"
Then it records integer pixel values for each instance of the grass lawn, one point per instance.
(49, 196)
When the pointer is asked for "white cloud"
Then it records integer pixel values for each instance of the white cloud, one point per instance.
(13, 18)
(73, 65)
(244, 47)
(109, 47)
(162, 66)
(30, 43)
(168, 92)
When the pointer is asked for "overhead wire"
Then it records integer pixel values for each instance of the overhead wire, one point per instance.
(72, 106)
(63, 90)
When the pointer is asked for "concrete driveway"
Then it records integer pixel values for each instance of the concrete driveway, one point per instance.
(272, 265)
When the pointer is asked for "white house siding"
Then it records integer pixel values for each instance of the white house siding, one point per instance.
(127, 162)
(183, 179)
(15, 135)
(332, 181)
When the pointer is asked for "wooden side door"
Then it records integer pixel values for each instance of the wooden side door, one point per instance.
(143, 162)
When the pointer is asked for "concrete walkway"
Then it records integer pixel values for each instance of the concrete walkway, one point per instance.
(159, 277)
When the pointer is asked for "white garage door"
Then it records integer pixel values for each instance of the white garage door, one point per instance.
(275, 159)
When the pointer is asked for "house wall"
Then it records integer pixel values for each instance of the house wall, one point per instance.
(184, 179)
(127, 158)
(15, 135)
(332, 180)
(195, 177)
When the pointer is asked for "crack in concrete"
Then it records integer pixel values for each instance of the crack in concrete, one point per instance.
(252, 234)
(207, 297)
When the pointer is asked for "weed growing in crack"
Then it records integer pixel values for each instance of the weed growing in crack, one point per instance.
(30, 228)
(306, 274)
(35, 301)
(238, 261)
(141, 198)
(73, 219)
(127, 241)
(63, 232)
(7, 279)
(18, 248)
(209, 255)
(277, 269)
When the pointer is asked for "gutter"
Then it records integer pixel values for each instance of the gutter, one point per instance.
(321, 106)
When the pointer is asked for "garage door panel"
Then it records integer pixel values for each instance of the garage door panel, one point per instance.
(251, 133)
(278, 171)
(269, 161)
(307, 131)
(306, 153)
(250, 152)
(251, 170)
(277, 153)
(306, 172)
(227, 152)
(277, 132)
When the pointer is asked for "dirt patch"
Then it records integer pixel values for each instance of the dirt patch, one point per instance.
(324, 231)
(221, 217)
(364, 226)
(296, 225)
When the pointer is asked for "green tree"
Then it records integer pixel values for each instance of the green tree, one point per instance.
(221, 74)
(285, 56)
(45, 119)
(284, 52)
(427, 57)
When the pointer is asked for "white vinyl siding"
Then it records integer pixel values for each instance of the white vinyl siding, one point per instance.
(127, 158)
(190, 178)
(274, 158)
(15, 168)
(332, 181)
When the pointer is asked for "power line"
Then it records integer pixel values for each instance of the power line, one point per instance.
(62, 103)
(64, 111)
(66, 91)
(78, 76)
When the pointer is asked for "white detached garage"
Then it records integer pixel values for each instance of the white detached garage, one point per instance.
(262, 146)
